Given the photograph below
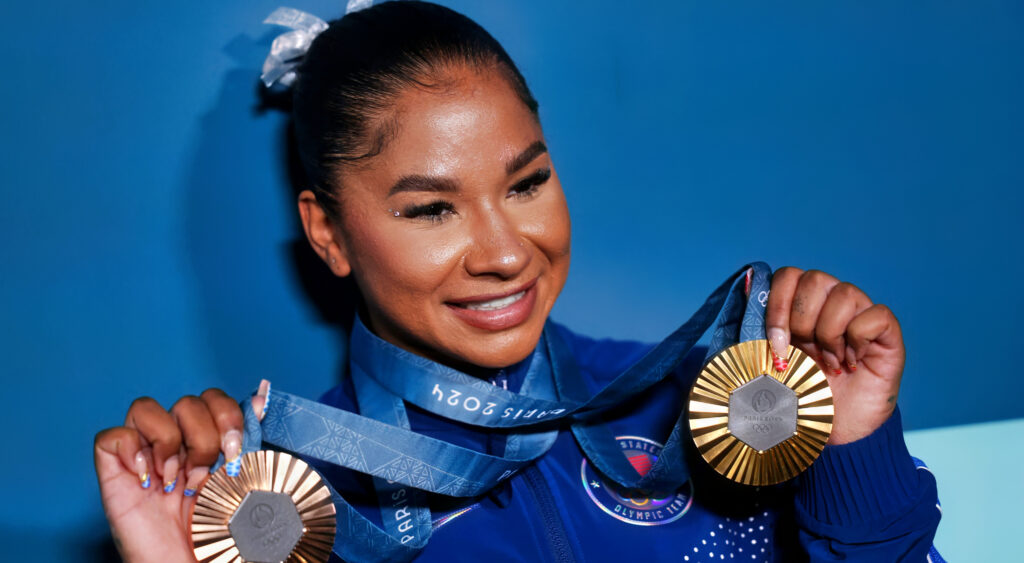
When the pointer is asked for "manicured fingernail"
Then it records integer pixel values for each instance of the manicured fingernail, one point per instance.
(831, 362)
(780, 343)
(262, 396)
(851, 359)
(195, 479)
(170, 473)
(142, 470)
(232, 446)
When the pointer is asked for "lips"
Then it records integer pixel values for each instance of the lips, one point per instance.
(497, 311)
(496, 304)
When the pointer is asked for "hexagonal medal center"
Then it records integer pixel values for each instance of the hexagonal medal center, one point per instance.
(762, 413)
(265, 527)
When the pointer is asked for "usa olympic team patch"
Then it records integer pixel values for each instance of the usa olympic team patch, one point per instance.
(636, 510)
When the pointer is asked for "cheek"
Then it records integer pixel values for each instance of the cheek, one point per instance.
(396, 263)
(550, 228)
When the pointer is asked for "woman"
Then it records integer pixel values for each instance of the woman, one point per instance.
(430, 184)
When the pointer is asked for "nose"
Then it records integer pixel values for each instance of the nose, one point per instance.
(497, 248)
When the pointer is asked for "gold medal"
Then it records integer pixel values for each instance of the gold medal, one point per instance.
(757, 425)
(277, 509)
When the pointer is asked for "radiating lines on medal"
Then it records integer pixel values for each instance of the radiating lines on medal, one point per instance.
(277, 508)
(782, 457)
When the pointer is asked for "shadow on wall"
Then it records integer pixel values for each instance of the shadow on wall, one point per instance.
(262, 295)
(253, 268)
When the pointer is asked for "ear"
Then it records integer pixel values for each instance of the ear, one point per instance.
(323, 234)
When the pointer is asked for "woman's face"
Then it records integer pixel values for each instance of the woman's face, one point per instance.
(458, 232)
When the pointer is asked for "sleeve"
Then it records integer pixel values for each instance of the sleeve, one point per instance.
(868, 501)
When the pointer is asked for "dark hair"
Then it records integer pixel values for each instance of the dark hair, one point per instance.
(347, 81)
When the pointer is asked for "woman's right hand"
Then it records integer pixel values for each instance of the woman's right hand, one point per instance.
(150, 468)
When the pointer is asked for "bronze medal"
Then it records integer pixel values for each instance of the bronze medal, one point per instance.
(277, 509)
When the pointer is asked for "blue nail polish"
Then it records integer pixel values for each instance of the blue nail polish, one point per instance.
(145, 481)
(189, 492)
(233, 467)
(170, 486)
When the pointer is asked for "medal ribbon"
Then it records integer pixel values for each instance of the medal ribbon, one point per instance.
(404, 464)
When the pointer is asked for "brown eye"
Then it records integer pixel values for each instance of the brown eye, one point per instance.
(528, 186)
(435, 211)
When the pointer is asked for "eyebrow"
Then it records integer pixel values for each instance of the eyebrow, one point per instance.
(422, 183)
(522, 159)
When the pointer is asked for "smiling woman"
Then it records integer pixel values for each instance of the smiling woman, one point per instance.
(457, 231)
(431, 185)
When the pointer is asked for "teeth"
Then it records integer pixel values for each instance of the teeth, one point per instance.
(495, 304)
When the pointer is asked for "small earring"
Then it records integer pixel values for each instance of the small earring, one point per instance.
(333, 260)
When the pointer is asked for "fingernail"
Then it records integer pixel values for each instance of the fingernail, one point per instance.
(831, 362)
(195, 479)
(170, 473)
(851, 359)
(780, 344)
(264, 394)
(232, 446)
(141, 470)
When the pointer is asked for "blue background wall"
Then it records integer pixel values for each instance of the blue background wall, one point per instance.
(149, 234)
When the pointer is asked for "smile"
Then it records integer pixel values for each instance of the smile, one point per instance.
(495, 304)
(496, 312)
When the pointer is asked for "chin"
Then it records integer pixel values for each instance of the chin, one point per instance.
(500, 350)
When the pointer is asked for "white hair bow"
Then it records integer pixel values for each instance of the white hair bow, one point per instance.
(288, 48)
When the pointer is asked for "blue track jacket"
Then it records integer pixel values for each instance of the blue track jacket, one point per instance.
(864, 501)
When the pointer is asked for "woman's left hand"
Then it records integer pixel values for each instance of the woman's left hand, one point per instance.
(857, 343)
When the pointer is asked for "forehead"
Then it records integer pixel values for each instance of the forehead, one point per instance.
(472, 122)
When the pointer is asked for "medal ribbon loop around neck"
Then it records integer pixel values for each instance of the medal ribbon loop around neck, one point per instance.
(404, 463)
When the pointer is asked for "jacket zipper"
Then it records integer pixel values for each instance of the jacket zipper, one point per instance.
(557, 539)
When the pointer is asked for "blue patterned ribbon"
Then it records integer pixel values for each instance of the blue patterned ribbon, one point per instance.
(404, 464)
